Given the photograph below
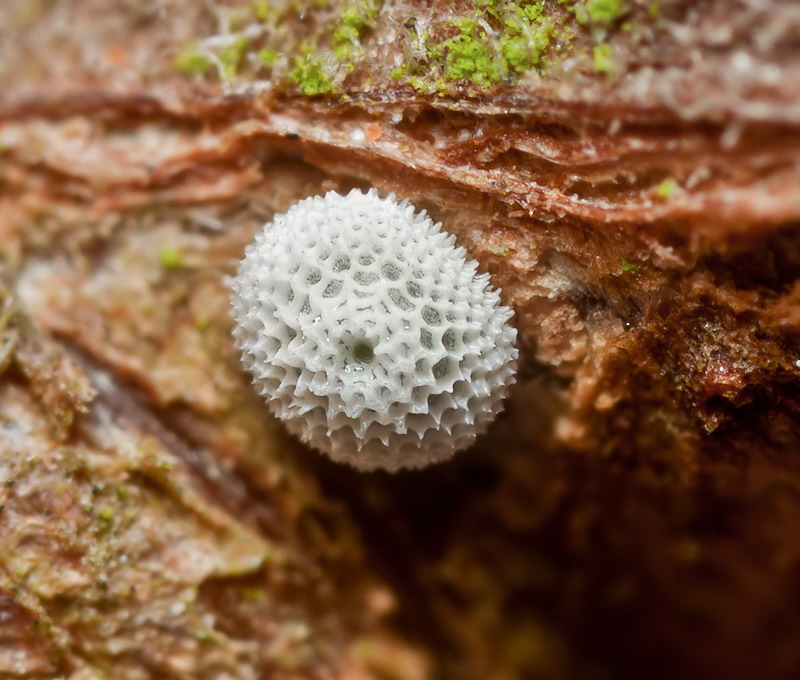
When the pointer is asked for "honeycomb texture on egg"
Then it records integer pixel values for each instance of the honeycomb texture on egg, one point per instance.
(370, 334)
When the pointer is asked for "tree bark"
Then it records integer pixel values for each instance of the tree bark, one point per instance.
(628, 174)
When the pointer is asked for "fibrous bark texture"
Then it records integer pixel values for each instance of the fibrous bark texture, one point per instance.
(629, 174)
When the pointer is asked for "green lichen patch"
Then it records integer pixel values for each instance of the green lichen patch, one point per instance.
(666, 189)
(170, 257)
(603, 58)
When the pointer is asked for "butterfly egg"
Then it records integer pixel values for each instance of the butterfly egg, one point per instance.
(370, 334)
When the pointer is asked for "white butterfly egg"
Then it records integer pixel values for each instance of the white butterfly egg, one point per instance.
(370, 334)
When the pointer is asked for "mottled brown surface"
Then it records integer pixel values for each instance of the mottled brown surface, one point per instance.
(636, 513)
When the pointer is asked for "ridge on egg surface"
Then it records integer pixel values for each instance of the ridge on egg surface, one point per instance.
(370, 334)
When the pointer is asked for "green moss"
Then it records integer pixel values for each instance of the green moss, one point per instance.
(605, 12)
(603, 62)
(527, 36)
(602, 13)
(421, 84)
(346, 38)
(232, 55)
(581, 15)
(106, 514)
(516, 53)
(490, 7)
(170, 257)
(469, 56)
(190, 60)
(493, 42)
(629, 267)
(357, 18)
(667, 188)
(268, 56)
(521, 34)
(263, 11)
(310, 77)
